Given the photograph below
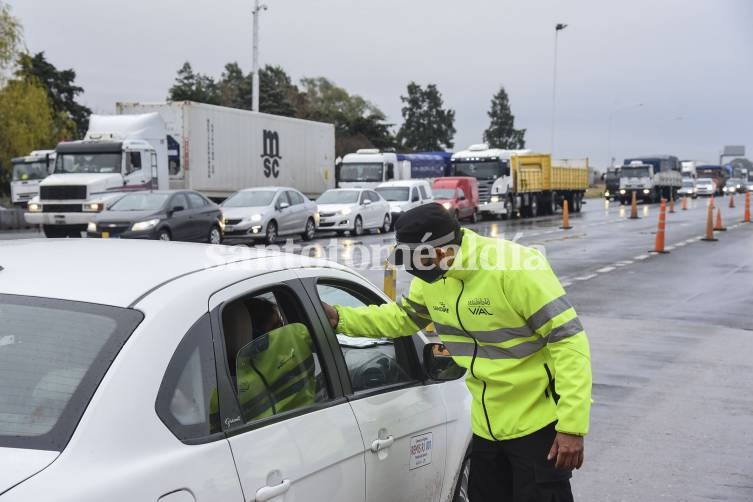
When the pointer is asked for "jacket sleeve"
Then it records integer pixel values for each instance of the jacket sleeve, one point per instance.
(389, 320)
(537, 295)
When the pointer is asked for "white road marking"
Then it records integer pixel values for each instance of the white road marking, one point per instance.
(585, 277)
(566, 284)
(604, 270)
(669, 248)
(680, 244)
(641, 257)
(624, 263)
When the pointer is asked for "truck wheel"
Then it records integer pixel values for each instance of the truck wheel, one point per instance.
(215, 236)
(271, 235)
(309, 231)
(357, 227)
(164, 235)
(552, 203)
(577, 203)
(533, 207)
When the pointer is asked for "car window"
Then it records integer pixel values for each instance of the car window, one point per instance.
(363, 197)
(374, 196)
(272, 356)
(372, 363)
(196, 200)
(461, 193)
(283, 197)
(295, 198)
(424, 195)
(179, 199)
(187, 399)
(414, 195)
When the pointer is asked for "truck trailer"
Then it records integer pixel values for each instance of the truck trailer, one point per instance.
(520, 183)
(219, 150)
(370, 167)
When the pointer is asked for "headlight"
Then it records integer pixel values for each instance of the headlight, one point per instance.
(255, 217)
(447, 205)
(606, 193)
(91, 227)
(345, 211)
(494, 199)
(34, 207)
(738, 186)
(646, 191)
(144, 225)
(622, 192)
(93, 207)
(725, 189)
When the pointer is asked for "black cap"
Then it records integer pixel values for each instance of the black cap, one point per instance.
(426, 226)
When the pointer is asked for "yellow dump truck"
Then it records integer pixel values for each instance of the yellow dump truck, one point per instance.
(541, 185)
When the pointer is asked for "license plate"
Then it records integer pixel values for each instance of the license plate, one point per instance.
(105, 235)
(59, 218)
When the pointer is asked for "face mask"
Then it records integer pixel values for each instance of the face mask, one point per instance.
(433, 274)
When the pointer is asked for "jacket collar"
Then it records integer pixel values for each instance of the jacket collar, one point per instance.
(460, 266)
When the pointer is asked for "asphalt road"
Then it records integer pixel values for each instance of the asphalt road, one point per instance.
(671, 338)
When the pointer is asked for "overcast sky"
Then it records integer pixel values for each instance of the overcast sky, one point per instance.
(688, 62)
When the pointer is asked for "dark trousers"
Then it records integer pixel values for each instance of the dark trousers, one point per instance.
(516, 470)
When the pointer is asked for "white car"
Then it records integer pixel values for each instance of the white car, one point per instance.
(268, 213)
(142, 385)
(688, 188)
(404, 195)
(705, 186)
(353, 210)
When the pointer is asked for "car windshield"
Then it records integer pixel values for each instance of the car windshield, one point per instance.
(339, 197)
(53, 354)
(444, 193)
(88, 163)
(23, 171)
(140, 202)
(485, 169)
(251, 198)
(394, 194)
(688, 183)
(634, 172)
(361, 172)
(704, 181)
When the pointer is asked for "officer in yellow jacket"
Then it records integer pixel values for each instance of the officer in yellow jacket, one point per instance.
(502, 314)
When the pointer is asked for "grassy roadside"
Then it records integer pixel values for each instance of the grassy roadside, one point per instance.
(595, 192)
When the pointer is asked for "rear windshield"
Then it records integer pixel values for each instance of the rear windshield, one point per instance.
(140, 202)
(53, 354)
(394, 193)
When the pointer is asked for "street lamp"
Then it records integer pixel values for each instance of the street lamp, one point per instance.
(610, 159)
(255, 64)
(557, 30)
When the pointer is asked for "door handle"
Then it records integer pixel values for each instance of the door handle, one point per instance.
(382, 444)
(270, 492)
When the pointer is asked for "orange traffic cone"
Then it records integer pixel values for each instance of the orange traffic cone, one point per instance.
(659, 244)
(684, 202)
(634, 208)
(671, 204)
(565, 216)
(732, 201)
(718, 227)
(710, 224)
(746, 218)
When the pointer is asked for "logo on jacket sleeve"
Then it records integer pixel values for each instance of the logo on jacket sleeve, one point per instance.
(441, 307)
(479, 306)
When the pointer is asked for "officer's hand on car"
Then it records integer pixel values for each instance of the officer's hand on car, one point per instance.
(568, 450)
(332, 314)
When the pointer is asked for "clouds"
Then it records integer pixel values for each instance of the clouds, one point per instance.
(691, 59)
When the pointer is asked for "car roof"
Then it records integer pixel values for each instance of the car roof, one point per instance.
(272, 188)
(110, 271)
(402, 183)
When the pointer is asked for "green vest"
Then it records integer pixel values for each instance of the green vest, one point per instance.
(502, 314)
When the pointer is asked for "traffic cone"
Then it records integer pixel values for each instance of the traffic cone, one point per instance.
(746, 218)
(718, 227)
(732, 201)
(684, 202)
(634, 208)
(710, 224)
(671, 204)
(659, 244)
(390, 280)
(565, 216)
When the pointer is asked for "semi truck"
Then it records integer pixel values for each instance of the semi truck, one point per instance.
(370, 167)
(612, 183)
(651, 178)
(118, 154)
(715, 172)
(26, 174)
(520, 183)
(218, 150)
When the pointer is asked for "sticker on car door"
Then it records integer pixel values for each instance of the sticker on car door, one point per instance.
(420, 451)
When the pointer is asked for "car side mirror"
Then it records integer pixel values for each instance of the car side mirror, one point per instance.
(439, 365)
(366, 202)
(178, 208)
(282, 205)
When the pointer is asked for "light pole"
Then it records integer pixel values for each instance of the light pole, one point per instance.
(609, 133)
(557, 30)
(255, 64)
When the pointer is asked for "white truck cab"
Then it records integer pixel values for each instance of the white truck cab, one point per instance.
(27, 173)
(119, 153)
(491, 167)
(368, 168)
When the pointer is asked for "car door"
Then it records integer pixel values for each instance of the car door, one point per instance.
(179, 217)
(463, 203)
(298, 214)
(284, 215)
(202, 216)
(415, 198)
(293, 435)
(381, 208)
(403, 422)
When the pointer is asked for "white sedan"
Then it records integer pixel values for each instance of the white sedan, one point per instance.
(353, 210)
(210, 373)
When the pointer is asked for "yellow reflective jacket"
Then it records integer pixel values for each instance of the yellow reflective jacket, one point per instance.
(502, 314)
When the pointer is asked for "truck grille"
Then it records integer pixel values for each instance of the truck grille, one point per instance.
(62, 208)
(485, 191)
(63, 192)
(113, 228)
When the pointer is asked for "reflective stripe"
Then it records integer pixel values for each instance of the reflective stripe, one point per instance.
(570, 328)
(420, 309)
(548, 312)
(519, 351)
(418, 320)
(499, 335)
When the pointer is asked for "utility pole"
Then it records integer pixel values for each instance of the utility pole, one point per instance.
(557, 30)
(255, 64)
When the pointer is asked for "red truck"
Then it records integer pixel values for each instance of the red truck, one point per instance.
(459, 195)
